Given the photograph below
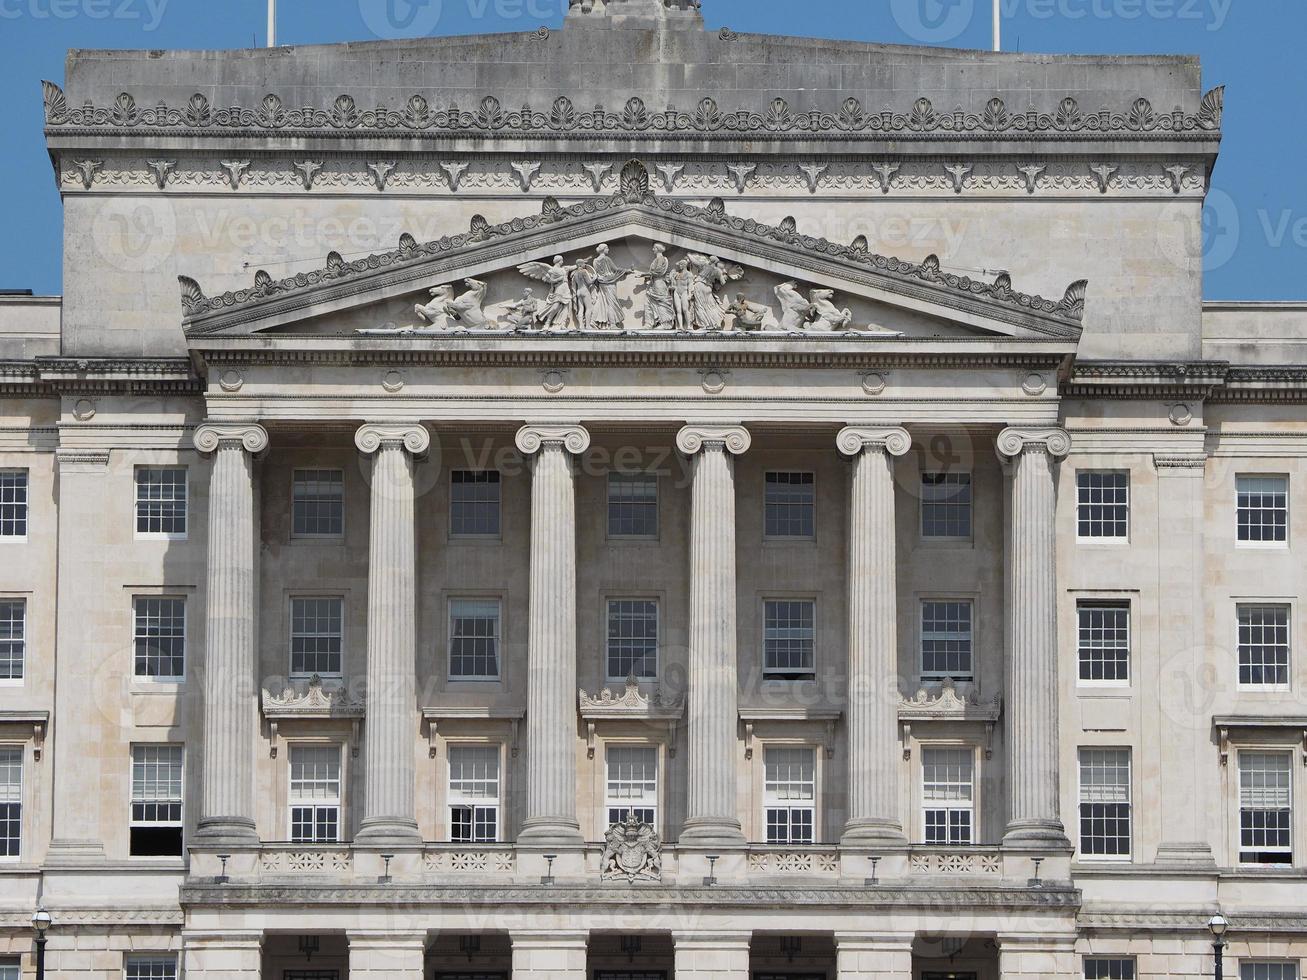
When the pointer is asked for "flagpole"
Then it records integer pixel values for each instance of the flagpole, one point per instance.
(272, 23)
(998, 24)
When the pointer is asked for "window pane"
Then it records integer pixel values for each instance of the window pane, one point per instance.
(156, 816)
(632, 505)
(947, 779)
(633, 638)
(160, 500)
(632, 782)
(9, 969)
(789, 637)
(474, 502)
(789, 505)
(13, 642)
(1104, 631)
(474, 638)
(1100, 968)
(1265, 808)
(152, 968)
(1103, 504)
(160, 636)
(474, 771)
(1263, 503)
(11, 800)
(13, 503)
(315, 772)
(316, 635)
(790, 774)
(318, 503)
(1268, 971)
(946, 640)
(1105, 802)
(1264, 645)
(946, 505)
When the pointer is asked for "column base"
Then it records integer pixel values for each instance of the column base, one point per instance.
(387, 831)
(226, 832)
(872, 832)
(1037, 835)
(550, 832)
(1187, 854)
(712, 832)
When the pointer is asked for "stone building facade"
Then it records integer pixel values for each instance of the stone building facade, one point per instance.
(862, 554)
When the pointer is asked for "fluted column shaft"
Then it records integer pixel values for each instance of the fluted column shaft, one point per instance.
(712, 817)
(227, 814)
(551, 643)
(873, 687)
(389, 810)
(1032, 728)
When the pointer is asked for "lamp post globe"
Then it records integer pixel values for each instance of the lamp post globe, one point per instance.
(1217, 925)
(41, 921)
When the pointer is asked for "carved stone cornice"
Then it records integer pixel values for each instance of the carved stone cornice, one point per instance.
(81, 460)
(853, 439)
(734, 438)
(312, 702)
(948, 705)
(530, 439)
(199, 117)
(211, 435)
(415, 438)
(1014, 441)
(630, 703)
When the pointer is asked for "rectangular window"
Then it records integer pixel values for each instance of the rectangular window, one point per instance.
(474, 503)
(789, 505)
(11, 800)
(632, 505)
(1263, 509)
(790, 795)
(474, 639)
(1104, 642)
(159, 967)
(13, 503)
(316, 636)
(318, 503)
(10, 969)
(161, 500)
(946, 505)
(633, 638)
(1268, 971)
(789, 638)
(1263, 646)
(13, 638)
(156, 824)
(946, 640)
(1265, 808)
(474, 793)
(1102, 504)
(948, 795)
(632, 783)
(314, 793)
(1105, 802)
(1116, 968)
(160, 637)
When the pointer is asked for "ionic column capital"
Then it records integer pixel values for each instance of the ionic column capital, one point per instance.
(693, 438)
(414, 437)
(531, 438)
(1015, 441)
(209, 436)
(853, 439)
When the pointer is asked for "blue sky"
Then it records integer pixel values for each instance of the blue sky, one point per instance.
(1256, 219)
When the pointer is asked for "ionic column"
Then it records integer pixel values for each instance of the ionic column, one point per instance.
(873, 638)
(1031, 674)
(389, 810)
(551, 644)
(227, 814)
(712, 818)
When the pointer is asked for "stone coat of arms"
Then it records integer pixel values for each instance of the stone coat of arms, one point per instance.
(632, 852)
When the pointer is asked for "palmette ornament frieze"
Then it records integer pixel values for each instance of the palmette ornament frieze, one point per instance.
(480, 175)
(491, 117)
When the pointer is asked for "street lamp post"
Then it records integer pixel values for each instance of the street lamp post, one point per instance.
(1218, 924)
(41, 920)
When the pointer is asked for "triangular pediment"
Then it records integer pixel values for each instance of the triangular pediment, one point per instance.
(777, 281)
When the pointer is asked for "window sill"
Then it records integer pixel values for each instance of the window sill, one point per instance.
(472, 539)
(13, 539)
(1103, 542)
(1101, 687)
(163, 685)
(165, 538)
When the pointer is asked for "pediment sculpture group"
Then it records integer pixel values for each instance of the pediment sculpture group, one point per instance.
(682, 297)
